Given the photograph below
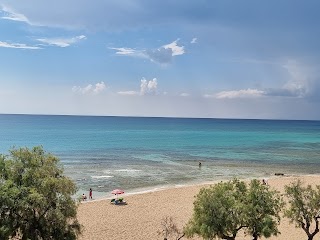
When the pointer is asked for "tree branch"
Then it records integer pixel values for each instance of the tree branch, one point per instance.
(316, 230)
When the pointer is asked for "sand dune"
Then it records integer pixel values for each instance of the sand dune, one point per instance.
(141, 217)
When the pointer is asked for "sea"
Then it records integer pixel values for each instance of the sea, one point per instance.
(141, 154)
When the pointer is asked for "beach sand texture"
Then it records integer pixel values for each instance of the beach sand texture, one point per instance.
(141, 217)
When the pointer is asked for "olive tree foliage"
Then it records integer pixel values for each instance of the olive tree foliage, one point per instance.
(218, 211)
(222, 210)
(304, 207)
(262, 211)
(35, 197)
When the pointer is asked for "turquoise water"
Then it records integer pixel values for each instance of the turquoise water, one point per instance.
(145, 153)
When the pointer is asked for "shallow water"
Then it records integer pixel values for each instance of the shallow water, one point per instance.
(145, 153)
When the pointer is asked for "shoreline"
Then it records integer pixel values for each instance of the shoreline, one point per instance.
(151, 189)
(141, 217)
(211, 172)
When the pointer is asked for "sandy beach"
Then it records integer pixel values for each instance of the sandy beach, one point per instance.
(141, 217)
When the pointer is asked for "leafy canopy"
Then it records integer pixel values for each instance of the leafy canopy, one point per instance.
(262, 211)
(218, 211)
(304, 207)
(223, 209)
(35, 197)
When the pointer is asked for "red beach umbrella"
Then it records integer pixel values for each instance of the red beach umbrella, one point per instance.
(117, 191)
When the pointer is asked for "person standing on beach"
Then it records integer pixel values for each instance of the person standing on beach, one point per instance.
(90, 193)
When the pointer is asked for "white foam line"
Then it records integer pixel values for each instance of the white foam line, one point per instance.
(98, 177)
(127, 170)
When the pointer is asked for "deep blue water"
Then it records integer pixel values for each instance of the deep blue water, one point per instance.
(139, 153)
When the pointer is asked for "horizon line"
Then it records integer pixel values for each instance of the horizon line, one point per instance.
(169, 117)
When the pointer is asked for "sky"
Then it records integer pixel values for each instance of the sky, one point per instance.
(171, 58)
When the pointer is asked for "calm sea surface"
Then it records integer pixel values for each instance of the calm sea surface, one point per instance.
(139, 154)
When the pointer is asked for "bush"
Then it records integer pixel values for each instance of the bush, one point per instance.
(227, 207)
(35, 197)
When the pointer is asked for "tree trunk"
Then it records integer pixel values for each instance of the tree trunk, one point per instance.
(255, 236)
(311, 235)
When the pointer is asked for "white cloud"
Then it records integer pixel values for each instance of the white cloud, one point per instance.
(95, 89)
(125, 51)
(17, 45)
(176, 50)
(162, 55)
(73, 14)
(99, 87)
(148, 87)
(209, 96)
(61, 42)
(106, 15)
(84, 90)
(128, 93)
(194, 40)
(244, 93)
(10, 14)
(300, 83)
(165, 54)
(184, 95)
